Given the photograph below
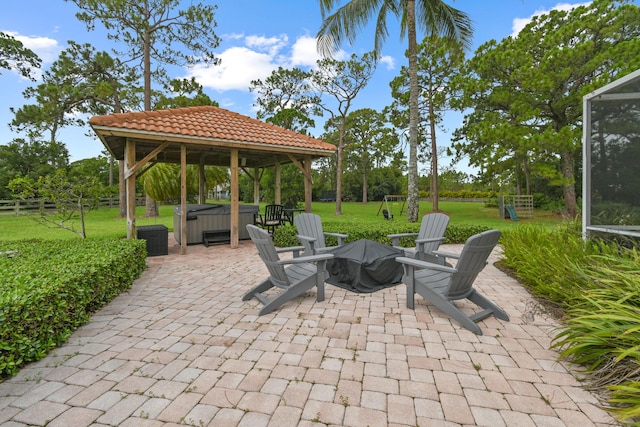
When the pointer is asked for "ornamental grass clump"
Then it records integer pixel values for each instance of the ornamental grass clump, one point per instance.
(602, 331)
(545, 260)
(596, 284)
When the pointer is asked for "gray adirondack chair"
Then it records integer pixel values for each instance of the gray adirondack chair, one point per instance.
(312, 236)
(300, 275)
(428, 239)
(441, 285)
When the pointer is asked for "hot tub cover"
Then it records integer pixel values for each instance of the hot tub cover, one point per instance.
(364, 266)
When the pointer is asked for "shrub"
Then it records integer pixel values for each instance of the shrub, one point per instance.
(285, 236)
(49, 288)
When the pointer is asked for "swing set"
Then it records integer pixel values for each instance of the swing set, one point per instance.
(394, 199)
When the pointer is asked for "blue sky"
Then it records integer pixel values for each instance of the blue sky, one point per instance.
(257, 37)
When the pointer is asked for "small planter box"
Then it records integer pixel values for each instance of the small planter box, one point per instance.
(211, 237)
(157, 237)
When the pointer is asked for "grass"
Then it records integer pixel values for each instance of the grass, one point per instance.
(106, 223)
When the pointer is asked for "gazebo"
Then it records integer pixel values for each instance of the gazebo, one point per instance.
(611, 158)
(205, 136)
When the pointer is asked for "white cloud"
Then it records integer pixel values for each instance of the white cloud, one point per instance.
(239, 65)
(389, 61)
(255, 57)
(47, 49)
(272, 45)
(304, 52)
(520, 23)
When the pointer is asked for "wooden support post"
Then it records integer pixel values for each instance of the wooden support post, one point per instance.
(202, 187)
(183, 199)
(130, 161)
(305, 167)
(235, 200)
(308, 184)
(256, 186)
(278, 189)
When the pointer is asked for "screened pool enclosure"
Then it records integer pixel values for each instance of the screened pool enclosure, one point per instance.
(611, 144)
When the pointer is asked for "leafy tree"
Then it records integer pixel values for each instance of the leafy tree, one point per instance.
(370, 142)
(29, 159)
(527, 91)
(162, 181)
(292, 192)
(380, 182)
(439, 59)
(187, 93)
(432, 16)
(341, 81)
(72, 198)
(94, 166)
(292, 119)
(286, 93)
(285, 99)
(81, 80)
(155, 31)
(13, 55)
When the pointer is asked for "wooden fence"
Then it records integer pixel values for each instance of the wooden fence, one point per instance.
(18, 207)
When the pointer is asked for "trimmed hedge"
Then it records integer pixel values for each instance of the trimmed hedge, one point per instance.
(49, 288)
(285, 236)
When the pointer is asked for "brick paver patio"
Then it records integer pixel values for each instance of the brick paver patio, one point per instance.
(182, 348)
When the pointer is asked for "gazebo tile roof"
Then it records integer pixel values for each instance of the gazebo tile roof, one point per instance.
(209, 122)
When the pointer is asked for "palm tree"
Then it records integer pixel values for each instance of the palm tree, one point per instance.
(433, 16)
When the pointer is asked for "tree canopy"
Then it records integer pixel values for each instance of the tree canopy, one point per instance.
(526, 92)
(15, 56)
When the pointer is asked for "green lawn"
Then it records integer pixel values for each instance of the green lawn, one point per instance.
(105, 222)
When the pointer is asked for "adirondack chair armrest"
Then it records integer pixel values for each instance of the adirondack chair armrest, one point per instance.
(306, 238)
(303, 259)
(395, 238)
(295, 249)
(424, 264)
(338, 236)
(430, 239)
(446, 254)
(421, 242)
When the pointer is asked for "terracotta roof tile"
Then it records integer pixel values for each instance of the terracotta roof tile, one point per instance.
(209, 122)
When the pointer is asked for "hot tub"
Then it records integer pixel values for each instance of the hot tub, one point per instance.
(211, 218)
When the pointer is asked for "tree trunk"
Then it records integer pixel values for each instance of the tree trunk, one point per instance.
(343, 124)
(569, 187)
(434, 158)
(412, 191)
(365, 196)
(527, 175)
(151, 207)
(122, 190)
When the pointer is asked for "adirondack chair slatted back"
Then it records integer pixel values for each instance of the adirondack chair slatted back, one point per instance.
(472, 260)
(267, 251)
(433, 225)
(309, 224)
